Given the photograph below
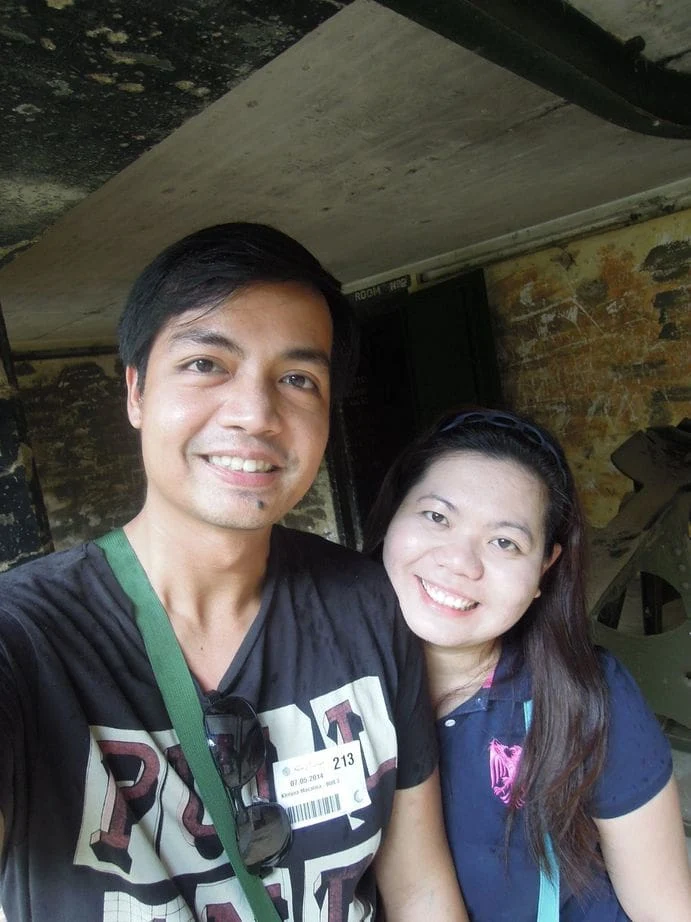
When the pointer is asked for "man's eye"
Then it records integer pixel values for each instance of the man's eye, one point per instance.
(437, 517)
(203, 366)
(300, 381)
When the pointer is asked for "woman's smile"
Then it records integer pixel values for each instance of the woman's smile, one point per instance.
(445, 598)
(465, 550)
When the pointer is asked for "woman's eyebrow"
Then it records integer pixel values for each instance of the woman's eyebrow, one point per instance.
(502, 523)
(519, 526)
(440, 499)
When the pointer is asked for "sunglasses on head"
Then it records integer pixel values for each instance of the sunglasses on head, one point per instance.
(238, 747)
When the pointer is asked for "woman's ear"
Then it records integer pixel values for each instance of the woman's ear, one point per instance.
(553, 557)
(547, 563)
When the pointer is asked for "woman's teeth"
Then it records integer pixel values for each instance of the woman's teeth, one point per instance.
(445, 598)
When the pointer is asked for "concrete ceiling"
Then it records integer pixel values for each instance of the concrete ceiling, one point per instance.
(375, 141)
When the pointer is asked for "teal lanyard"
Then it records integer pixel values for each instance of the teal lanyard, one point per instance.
(548, 898)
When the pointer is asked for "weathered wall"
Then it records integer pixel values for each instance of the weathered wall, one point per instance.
(316, 511)
(88, 457)
(86, 452)
(24, 531)
(594, 341)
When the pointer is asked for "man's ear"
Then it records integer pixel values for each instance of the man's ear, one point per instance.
(134, 397)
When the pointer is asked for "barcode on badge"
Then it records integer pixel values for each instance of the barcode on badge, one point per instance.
(307, 813)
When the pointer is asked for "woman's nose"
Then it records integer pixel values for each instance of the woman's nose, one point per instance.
(461, 557)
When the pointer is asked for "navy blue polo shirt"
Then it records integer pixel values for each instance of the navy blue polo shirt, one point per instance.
(480, 744)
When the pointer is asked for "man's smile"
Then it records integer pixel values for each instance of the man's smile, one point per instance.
(246, 465)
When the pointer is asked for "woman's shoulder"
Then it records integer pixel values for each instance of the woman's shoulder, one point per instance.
(621, 684)
(638, 760)
(613, 670)
(628, 707)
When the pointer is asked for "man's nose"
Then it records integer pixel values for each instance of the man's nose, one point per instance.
(250, 402)
(461, 556)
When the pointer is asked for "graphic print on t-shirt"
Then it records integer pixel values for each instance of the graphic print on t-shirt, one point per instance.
(144, 822)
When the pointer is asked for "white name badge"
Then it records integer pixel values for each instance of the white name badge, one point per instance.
(319, 786)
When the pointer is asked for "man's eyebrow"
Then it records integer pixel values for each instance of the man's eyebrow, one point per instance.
(317, 356)
(203, 337)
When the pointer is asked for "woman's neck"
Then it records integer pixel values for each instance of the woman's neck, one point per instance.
(455, 674)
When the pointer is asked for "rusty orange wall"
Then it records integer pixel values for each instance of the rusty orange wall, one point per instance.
(594, 341)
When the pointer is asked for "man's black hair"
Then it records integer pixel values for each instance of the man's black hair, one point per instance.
(208, 266)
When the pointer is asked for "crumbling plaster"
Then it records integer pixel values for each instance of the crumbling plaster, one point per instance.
(593, 341)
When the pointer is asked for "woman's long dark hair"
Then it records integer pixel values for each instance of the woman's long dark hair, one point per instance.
(565, 745)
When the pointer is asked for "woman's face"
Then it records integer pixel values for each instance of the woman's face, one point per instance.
(466, 549)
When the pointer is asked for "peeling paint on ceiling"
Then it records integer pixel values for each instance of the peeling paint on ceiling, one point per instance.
(87, 86)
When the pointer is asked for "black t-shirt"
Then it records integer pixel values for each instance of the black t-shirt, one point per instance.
(102, 818)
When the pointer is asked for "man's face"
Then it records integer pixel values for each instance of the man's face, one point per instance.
(234, 415)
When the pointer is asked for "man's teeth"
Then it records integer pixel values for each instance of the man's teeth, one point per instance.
(445, 598)
(234, 463)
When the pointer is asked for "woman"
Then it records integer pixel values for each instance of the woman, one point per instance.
(557, 783)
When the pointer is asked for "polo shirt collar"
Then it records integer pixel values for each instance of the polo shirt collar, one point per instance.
(510, 682)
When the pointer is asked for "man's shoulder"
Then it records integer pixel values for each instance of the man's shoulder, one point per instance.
(327, 583)
(54, 562)
(308, 547)
(339, 574)
(46, 577)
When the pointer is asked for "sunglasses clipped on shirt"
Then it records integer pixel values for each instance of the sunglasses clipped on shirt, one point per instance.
(238, 747)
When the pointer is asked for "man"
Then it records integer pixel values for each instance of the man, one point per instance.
(233, 340)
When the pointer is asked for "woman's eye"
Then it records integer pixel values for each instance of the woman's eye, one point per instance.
(505, 544)
(437, 517)
(300, 381)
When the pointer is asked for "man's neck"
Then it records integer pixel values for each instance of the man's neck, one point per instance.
(209, 581)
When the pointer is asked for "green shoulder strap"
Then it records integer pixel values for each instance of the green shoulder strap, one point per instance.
(181, 700)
